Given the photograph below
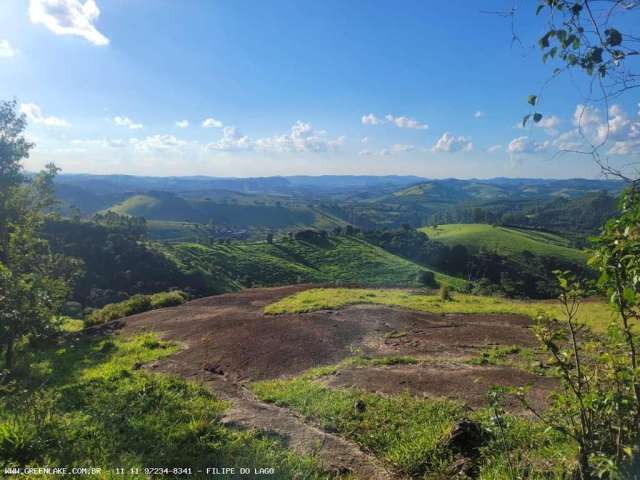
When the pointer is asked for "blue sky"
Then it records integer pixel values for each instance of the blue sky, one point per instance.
(249, 88)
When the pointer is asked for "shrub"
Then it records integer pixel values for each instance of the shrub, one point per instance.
(445, 294)
(136, 304)
(426, 278)
(72, 309)
(168, 299)
(113, 311)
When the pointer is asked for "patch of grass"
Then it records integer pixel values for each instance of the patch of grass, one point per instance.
(596, 314)
(495, 355)
(136, 304)
(524, 448)
(359, 361)
(510, 355)
(402, 430)
(506, 241)
(97, 407)
(409, 433)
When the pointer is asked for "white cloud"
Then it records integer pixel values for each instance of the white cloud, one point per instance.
(34, 114)
(387, 152)
(6, 50)
(618, 130)
(127, 122)
(370, 119)
(570, 140)
(400, 148)
(494, 148)
(365, 140)
(400, 122)
(550, 124)
(157, 143)
(406, 122)
(68, 17)
(182, 123)
(84, 144)
(620, 125)
(625, 147)
(212, 123)
(336, 142)
(231, 140)
(586, 116)
(152, 144)
(302, 138)
(478, 114)
(450, 143)
(525, 145)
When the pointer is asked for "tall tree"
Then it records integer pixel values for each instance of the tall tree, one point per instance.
(34, 282)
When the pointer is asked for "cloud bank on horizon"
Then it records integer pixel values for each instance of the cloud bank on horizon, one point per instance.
(235, 105)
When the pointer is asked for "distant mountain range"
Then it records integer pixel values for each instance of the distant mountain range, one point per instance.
(258, 185)
(284, 184)
(329, 201)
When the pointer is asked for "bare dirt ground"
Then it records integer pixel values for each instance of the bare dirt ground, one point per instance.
(229, 341)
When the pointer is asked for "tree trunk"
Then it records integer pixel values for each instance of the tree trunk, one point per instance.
(8, 354)
(583, 464)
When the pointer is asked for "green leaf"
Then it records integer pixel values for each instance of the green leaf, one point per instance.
(525, 119)
(532, 99)
(613, 37)
(537, 117)
(539, 9)
(544, 40)
(629, 295)
(562, 35)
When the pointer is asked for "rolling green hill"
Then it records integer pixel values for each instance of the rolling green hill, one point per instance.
(156, 207)
(249, 213)
(341, 259)
(505, 240)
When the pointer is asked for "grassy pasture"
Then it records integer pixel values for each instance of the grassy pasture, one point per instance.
(174, 213)
(505, 241)
(596, 314)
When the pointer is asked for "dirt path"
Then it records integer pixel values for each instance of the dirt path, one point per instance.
(229, 342)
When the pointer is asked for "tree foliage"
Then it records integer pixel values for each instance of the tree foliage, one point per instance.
(598, 402)
(33, 282)
(586, 35)
(599, 40)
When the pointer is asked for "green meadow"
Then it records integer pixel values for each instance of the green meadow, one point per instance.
(594, 313)
(505, 240)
